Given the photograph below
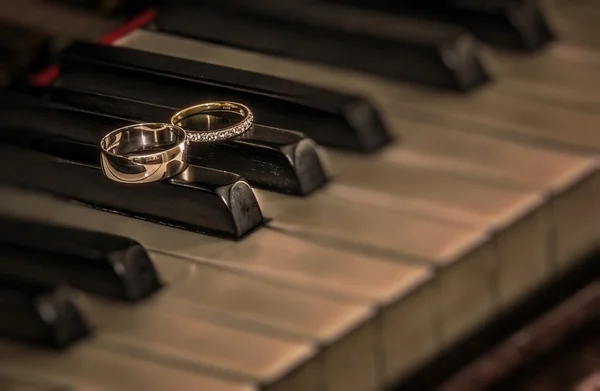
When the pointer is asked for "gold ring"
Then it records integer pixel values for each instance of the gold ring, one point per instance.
(144, 153)
(211, 136)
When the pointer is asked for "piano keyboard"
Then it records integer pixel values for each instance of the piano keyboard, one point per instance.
(374, 218)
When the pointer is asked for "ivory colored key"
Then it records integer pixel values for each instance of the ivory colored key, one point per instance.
(401, 290)
(342, 326)
(513, 212)
(107, 369)
(458, 251)
(567, 177)
(559, 128)
(198, 345)
(482, 155)
(15, 379)
(575, 21)
(560, 75)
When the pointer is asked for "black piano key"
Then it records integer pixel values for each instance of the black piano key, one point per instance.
(39, 314)
(512, 24)
(331, 118)
(107, 265)
(408, 49)
(199, 199)
(108, 7)
(21, 51)
(270, 158)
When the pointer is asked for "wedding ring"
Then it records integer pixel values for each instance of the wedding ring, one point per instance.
(210, 136)
(144, 153)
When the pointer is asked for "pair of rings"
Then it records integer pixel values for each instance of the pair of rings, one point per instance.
(151, 152)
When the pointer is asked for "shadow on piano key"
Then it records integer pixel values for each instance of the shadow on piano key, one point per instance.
(270, 158)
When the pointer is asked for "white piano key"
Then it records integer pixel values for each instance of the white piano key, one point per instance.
(392, 286)
(548, 76)
(488, 157)
(199, 345)
(575, 22)
(503, 209)
(101, 368)
(13, 379)
(370, 229)
(334, 323)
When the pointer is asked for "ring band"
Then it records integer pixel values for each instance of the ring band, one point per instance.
(144, 153)
(225, 133)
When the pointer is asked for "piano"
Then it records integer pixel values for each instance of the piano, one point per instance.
(415, 208)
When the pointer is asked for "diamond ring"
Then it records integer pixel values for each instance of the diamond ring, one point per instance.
(211, 136)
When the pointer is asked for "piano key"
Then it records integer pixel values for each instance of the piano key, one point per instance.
(39, 314)
(486, 156)
(456, 250)
(510, 24)
(403, 291)
(330, 118)
(400, 290)
(103, 369)
(23, 50)
(204, 200)
(108, 265)
(513, 212)
(574, 22)
(487, 112)
(267, 157)
(12, 379)
(344, 327)
(107, 7)
(561, 75)
(199, 345)
(425, 52)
